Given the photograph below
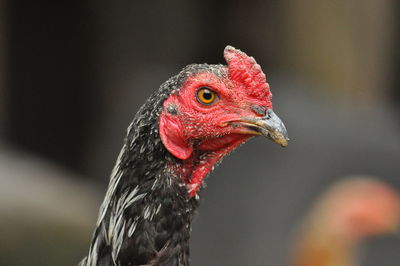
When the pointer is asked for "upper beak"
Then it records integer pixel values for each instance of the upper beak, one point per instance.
(269, 126)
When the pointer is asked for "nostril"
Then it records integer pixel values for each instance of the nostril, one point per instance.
(268, 115)
(258, 109)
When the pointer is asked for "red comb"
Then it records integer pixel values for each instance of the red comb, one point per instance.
(245, 70)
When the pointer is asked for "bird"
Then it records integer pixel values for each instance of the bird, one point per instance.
(175, 140)
(354, 209)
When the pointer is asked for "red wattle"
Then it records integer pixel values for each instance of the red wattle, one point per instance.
(171, 133)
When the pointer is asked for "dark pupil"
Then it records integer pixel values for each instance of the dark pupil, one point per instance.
(207, 95)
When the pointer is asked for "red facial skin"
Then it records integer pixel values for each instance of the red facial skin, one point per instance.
(196, 127)
(203, 127)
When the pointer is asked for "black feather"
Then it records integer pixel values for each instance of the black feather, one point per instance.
(162, 211)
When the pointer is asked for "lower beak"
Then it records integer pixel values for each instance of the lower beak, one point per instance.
(269, 126)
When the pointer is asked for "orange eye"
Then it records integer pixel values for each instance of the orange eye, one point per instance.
(206, 96)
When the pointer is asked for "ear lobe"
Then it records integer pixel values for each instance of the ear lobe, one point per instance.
(171, 133)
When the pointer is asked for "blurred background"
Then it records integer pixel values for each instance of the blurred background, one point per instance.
(74, 73)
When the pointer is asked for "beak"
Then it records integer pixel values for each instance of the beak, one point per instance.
(269, 126)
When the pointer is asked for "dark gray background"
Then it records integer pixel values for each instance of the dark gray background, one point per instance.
(73, 74)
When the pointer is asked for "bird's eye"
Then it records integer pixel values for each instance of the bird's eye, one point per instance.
(206, 95)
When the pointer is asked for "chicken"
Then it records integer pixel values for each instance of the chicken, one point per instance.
(347, 214)
(177, 137)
